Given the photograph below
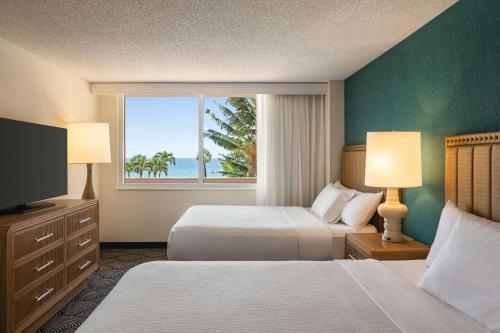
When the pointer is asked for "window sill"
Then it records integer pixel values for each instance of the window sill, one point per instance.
(187, 184)
(232, 180)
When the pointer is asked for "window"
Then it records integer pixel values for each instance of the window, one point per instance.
(164, 135)
(230, 145)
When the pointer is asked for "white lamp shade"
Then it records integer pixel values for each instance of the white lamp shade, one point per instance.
(393, 159)
(88, 143)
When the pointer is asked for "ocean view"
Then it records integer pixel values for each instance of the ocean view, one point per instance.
(186, 168)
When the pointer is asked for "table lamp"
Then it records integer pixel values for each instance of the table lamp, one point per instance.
(393, 160)
(88, 143)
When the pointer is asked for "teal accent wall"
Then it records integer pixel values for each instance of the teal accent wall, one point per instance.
(442, 80)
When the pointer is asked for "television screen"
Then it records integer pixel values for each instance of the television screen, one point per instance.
(33, 162)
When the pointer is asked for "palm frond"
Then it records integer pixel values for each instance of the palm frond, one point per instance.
(230, 130)
(221, 140)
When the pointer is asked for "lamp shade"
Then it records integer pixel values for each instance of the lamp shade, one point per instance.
(393, 159)
(88, 143)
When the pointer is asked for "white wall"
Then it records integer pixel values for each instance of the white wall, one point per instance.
(34, 90)
(147, 215)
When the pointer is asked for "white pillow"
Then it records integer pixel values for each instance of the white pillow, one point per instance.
(358, 212)
(466, 272)
(449, 216)
(330, 202)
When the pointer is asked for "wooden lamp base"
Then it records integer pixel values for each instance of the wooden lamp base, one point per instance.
(88, 192)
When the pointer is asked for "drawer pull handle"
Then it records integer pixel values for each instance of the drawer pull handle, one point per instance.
(47, 264)
(38, 240)
(352, 257)
(85, 220)
(45, 294)
(85, 242)
(83, 266)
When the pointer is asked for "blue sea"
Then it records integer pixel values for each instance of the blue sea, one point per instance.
(188, 168)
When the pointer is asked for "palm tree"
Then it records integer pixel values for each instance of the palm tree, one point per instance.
(163, 168)
(238, 135)
(156, 165)
(207, 157)
(165, 159)
(129, 167)
(139, 163)
(150, 167)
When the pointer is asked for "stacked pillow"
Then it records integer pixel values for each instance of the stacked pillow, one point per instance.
(337, 202)
(330, 202)
(464, 265)
(359, 211)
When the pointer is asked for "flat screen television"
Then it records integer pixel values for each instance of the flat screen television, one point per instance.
(33, 165)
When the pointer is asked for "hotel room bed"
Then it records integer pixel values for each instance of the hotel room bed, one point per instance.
(256, 233)
(279, 296)
(267, 233)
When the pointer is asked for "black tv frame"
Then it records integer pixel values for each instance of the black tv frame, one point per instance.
(42, 142)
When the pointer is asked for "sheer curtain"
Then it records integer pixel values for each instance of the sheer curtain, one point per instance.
(291, 149)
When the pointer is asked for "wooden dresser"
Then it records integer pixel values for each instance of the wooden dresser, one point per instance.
(45, 258)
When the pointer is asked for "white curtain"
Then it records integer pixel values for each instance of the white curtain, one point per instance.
(291, 149)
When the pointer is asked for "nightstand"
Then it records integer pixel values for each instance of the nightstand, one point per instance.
(371, 246)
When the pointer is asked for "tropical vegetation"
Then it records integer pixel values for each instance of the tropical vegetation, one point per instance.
(237, 135)
(156, 165)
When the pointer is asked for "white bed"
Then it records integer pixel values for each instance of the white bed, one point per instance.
(279, 296)
(410, 270)
(270, 233)
(256, 233)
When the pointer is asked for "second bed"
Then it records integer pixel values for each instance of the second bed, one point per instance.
(256, 233)
(271, 232)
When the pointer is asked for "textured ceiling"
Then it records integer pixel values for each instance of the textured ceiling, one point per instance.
(217, 40)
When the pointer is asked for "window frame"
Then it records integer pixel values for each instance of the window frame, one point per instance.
(246, 183)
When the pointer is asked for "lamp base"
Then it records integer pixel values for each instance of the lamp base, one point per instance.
(88, 192)
(393, 212)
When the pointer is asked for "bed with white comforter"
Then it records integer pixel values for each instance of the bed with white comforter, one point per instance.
(279, 296)
(255, 233)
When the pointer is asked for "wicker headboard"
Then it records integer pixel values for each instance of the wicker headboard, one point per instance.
(353, 175)
(472, 177)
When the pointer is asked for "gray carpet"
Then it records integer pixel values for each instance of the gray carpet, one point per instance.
(114, 263)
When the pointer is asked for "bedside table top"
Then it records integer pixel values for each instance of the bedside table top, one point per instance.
(373, 245)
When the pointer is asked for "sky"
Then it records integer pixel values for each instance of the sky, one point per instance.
(154, 124)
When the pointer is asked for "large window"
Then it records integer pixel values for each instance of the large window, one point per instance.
(189, 139)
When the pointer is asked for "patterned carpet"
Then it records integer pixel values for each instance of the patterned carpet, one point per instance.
(114, 263)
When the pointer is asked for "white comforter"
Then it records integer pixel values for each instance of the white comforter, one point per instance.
(280, 296)
(249, 233)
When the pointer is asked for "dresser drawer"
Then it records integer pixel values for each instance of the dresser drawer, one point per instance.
(32, 239)
(81, 266)
(38, 296)
(80, 243)
(81, 219)
(351, 252)
(38, 267)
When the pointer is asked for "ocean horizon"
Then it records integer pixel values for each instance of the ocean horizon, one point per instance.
(186, 167)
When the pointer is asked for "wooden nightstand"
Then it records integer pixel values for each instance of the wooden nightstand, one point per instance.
(371, 246)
